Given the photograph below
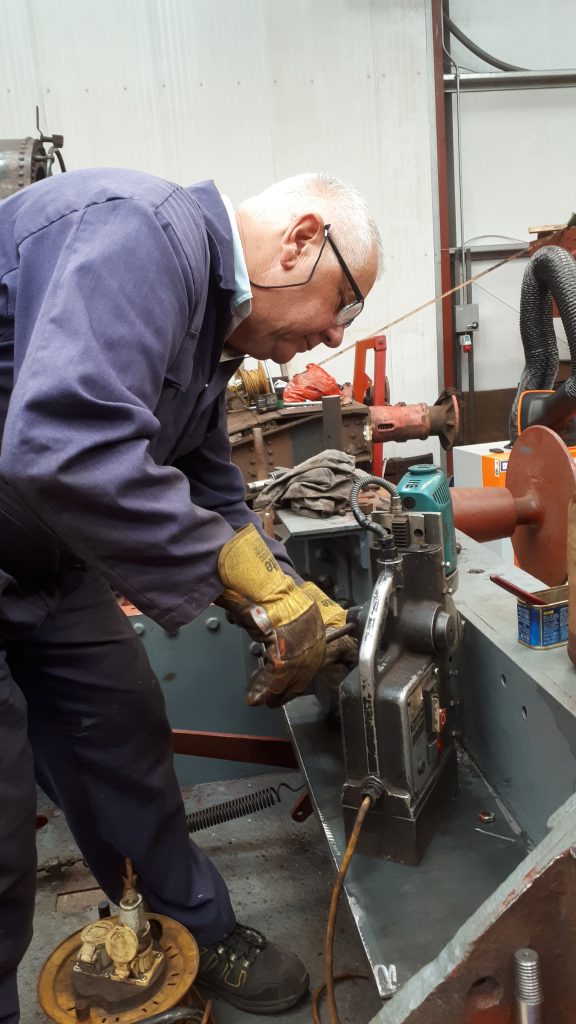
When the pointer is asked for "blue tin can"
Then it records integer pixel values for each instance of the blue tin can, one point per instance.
(542, 626)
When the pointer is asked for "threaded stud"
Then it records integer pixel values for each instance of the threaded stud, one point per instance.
(528, 986)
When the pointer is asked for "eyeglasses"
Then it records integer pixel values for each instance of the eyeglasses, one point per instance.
(346, 314)
(349, 312)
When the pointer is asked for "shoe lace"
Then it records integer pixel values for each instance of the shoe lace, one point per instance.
(242, 944)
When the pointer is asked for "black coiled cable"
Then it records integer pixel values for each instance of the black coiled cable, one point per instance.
(239, 807)
(359, 516)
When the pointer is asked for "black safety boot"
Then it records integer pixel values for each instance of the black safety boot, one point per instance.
(251, 973)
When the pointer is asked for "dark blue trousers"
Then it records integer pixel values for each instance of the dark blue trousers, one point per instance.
(82, 713)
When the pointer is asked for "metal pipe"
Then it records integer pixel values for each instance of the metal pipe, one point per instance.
(492, 81)
(441, 102)
(400, 422)
(527, 986)
(406, 422)
(491, 250)
(460, 187)
(471, 385)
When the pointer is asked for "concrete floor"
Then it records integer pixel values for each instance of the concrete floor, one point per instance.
(280, 879)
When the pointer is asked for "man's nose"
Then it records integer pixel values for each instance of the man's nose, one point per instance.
(333, 336)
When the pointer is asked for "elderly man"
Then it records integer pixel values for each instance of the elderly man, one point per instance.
(126, 304)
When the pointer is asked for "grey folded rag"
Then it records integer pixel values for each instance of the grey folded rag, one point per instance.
(318, 487)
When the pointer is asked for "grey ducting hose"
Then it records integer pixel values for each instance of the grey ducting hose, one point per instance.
(551, 273)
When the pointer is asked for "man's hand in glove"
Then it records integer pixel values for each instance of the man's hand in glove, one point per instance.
(275, 612)
(342, 654)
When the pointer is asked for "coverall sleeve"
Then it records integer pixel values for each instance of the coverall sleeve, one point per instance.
(217, 484)
(80, 421)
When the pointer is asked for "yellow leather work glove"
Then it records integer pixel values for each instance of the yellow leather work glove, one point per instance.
(342, 654)
(276, 612)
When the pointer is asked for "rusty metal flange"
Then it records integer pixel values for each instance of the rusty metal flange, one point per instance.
(541, 477)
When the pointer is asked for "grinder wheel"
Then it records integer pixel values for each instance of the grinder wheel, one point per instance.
(542, 471)
(56, 996)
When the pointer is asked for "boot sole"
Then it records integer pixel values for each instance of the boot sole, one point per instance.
(278, 1006)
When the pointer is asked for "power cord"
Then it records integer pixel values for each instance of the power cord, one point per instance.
(184, 1013)
(319, 992)
(329, 978)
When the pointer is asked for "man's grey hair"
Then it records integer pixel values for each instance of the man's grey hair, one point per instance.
(352, 226)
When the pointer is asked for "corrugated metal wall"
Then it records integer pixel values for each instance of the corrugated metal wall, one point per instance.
(245, 92)
(519, 153)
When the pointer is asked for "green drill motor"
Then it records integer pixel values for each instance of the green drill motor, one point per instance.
(424, 488)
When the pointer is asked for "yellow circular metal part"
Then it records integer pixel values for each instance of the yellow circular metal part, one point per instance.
(56, 996)
(121, 944)
(96, 932)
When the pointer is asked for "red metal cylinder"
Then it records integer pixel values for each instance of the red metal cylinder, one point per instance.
(399, 422)
(484, 513)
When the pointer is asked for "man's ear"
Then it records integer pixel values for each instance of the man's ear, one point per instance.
(306, 230)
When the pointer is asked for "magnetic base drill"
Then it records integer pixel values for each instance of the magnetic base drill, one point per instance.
(395, 707)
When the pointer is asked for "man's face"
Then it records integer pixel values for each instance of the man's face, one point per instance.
(285, 321)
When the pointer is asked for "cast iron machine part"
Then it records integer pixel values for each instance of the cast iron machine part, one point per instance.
(403, 422)
(25, 161)
(533, 507)
(130, 967)
(395, 707)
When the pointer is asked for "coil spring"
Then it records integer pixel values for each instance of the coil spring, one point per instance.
(240, 807)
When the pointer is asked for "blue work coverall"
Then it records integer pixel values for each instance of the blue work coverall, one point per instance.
(115, 299)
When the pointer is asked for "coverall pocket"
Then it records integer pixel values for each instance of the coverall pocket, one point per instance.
(179, 373)
(29, 559)
(22, 613)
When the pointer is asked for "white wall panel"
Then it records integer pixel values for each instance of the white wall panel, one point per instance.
(247, 92)
(519, 153)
